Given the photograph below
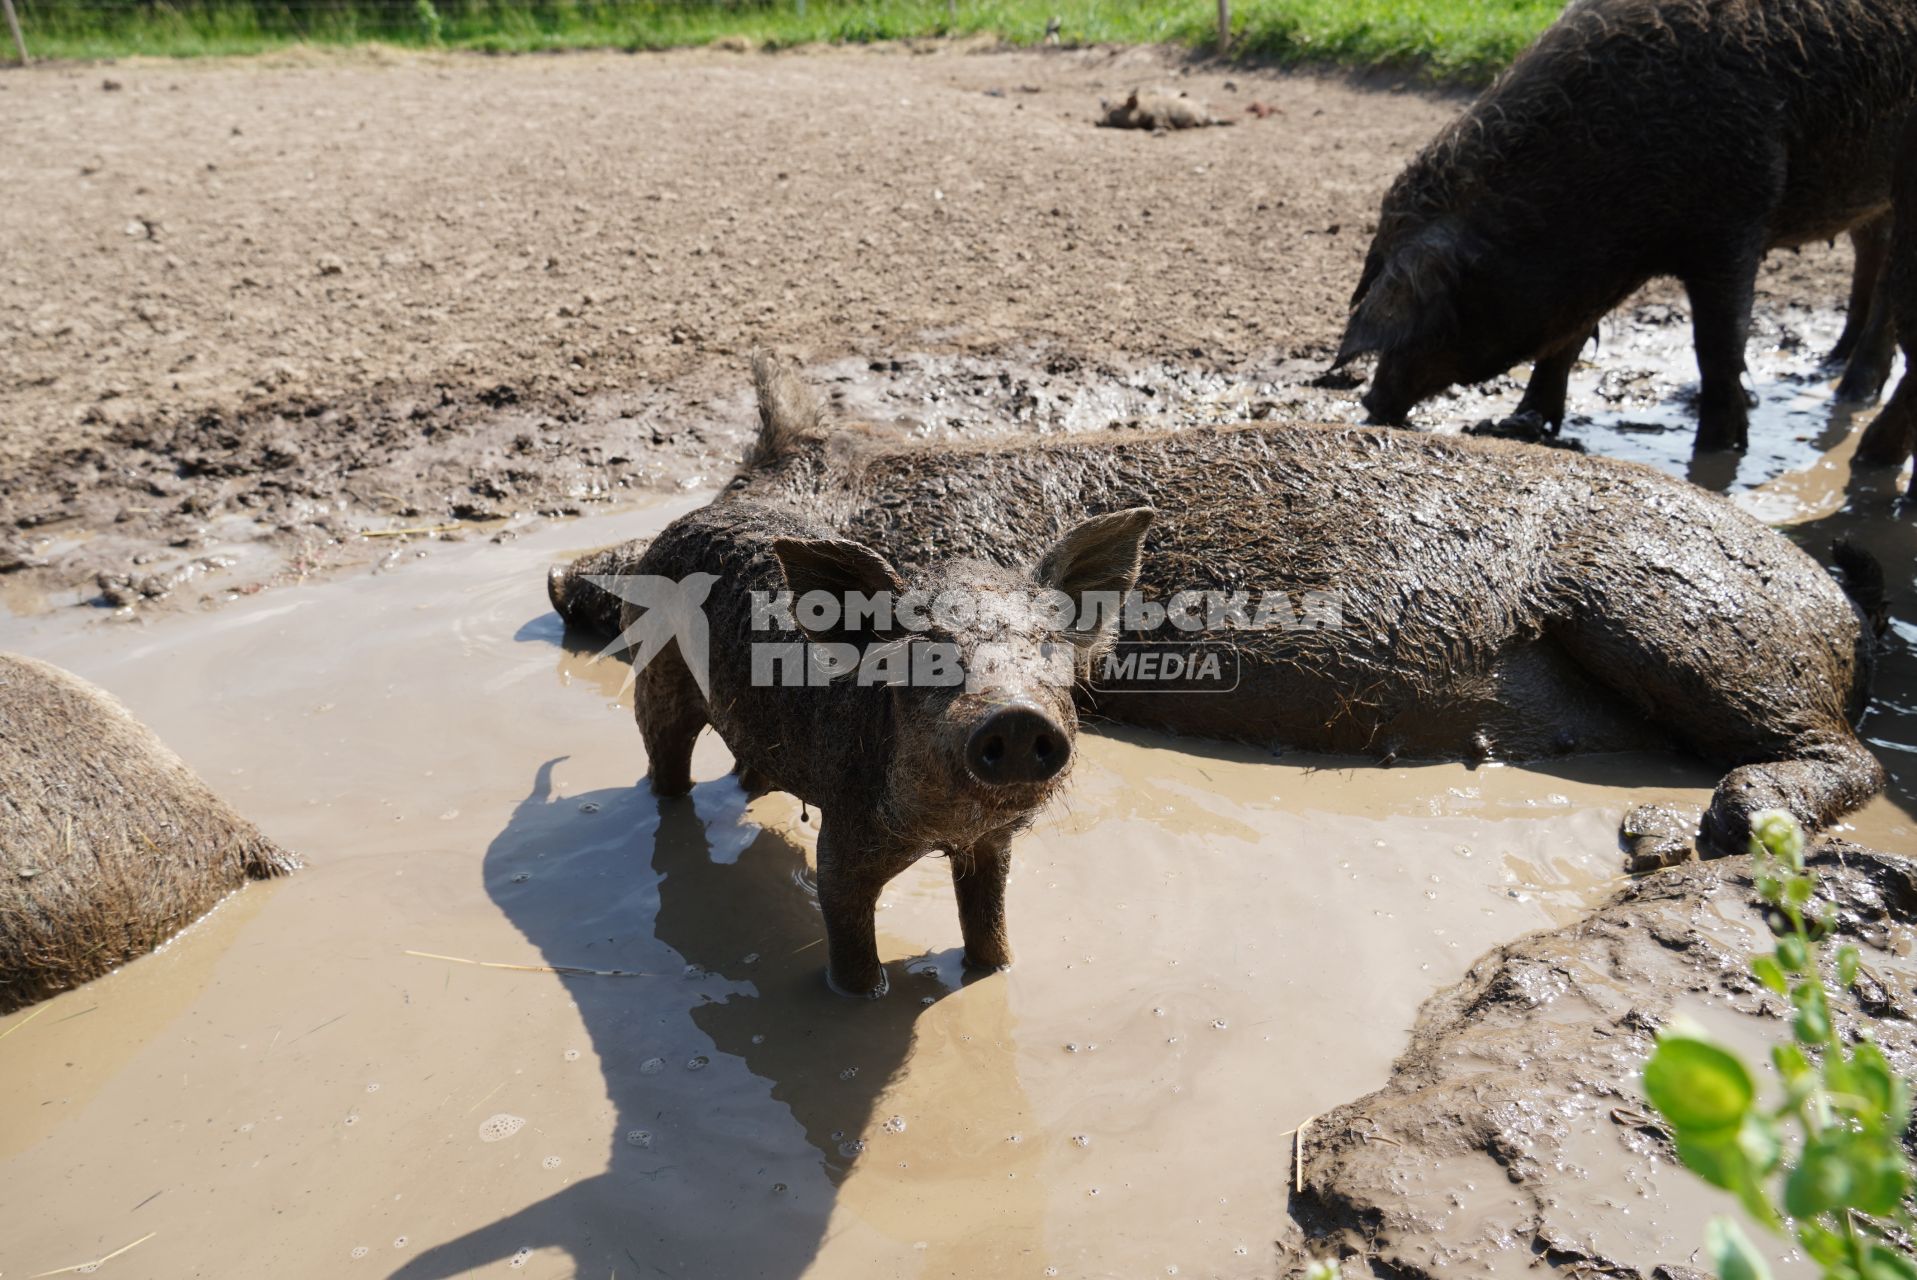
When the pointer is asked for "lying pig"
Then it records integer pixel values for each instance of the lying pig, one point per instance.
(1635, 139)
(1493, 597)
(1158, 112)
(109, 845)
(899, 762)
(1891, 439)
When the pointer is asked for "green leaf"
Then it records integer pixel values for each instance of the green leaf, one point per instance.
(1733, 1256)
(1886, 1263)
(1790, 1062)
(1872, 1079)
(1770, 973)
(1697, 1086)
(1793, 953)
(1822, 1180)
(1847, 963)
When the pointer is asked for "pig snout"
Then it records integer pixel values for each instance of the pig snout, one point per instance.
(1017, 745)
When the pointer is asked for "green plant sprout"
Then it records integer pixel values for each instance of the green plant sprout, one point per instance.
(1827, 1163)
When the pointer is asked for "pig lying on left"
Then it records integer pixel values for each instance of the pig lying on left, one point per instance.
(109, 845)
(940, 728)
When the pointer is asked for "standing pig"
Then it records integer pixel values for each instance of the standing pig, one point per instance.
(897, 767)
(1492, 597)
(1636, 139)
(109, 845)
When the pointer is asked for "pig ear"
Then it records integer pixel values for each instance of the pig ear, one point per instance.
(1100, 555)
(836, 566)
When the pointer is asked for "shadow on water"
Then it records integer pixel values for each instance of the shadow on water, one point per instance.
(740, 1086)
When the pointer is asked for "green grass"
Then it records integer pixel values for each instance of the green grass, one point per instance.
(1456, 40)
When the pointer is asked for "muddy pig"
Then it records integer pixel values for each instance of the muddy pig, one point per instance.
(1636, 139)
(109, 845)
(1158, 112)
(1492, 598)
(900, 762)
(1891, 439)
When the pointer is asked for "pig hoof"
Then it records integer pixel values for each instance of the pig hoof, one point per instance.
(669, 788)
(1655, 836)
(557, 579)
(855, 991)
(1527, 425)
(997, 964)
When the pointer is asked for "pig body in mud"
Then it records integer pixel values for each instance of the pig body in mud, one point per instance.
(1638, 139)
(109, 845)
(900, 760)
(1891, 439)
(1492, 597)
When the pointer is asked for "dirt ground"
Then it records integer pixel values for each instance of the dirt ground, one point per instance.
(264, 318)
(298, 297)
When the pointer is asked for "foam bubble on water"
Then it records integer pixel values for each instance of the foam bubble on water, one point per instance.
(855, 1147)
(247, 1127)
(1219, 1023)
(571, 1055)
(752, 958)
(925, 999)
(352, 1119)
(588, 806)
(895, 1125)
(359, 1251)
(1051, 1271)
(500, 1127)
(1241, 1251)
(639, 1138)
(522, 877)
(698, 1063)
(550, 1162)
(759, 1039)
(848, 1073)
(1081, 1140)
(1016, 1137)
(373, 1087)
(652, 1066)
(778, 1188)
(520, 1258)
(399, 1242)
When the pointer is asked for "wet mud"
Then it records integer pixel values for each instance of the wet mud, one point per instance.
(518, 1015)
(1212, 946)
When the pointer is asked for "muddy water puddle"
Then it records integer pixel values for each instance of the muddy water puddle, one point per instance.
(346, 1072)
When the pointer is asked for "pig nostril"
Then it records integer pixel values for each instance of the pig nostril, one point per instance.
(993, 751)
(1042, 748)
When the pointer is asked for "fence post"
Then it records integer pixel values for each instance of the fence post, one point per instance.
(1224, 27)
(13, 22)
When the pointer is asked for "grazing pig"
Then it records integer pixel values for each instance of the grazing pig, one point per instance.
(1158, 112)
(1636, 139)
(109, 845)
(898, 767)
(1891, 439)
(1494, 597)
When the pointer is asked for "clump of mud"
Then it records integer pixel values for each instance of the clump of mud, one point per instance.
(1514, 1131)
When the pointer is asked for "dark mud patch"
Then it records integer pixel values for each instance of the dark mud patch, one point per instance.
(1513, 1131)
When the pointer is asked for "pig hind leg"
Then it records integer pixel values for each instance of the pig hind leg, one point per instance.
(1799, 759)
(1823, 780)
(671, 711)
(1869, 337)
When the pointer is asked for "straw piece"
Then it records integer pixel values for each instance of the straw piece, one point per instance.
(573, 970)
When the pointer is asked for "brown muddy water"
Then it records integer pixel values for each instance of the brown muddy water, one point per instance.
(1213, 946)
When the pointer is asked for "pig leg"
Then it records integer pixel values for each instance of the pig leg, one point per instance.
(1545, 394)
(979, 876)
(1821, 782)
(1870, 247)
(1720, 329)
(671, 711)
(1891, 437)
(854, 868)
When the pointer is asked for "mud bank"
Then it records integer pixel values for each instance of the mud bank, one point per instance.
(1514, 1132)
